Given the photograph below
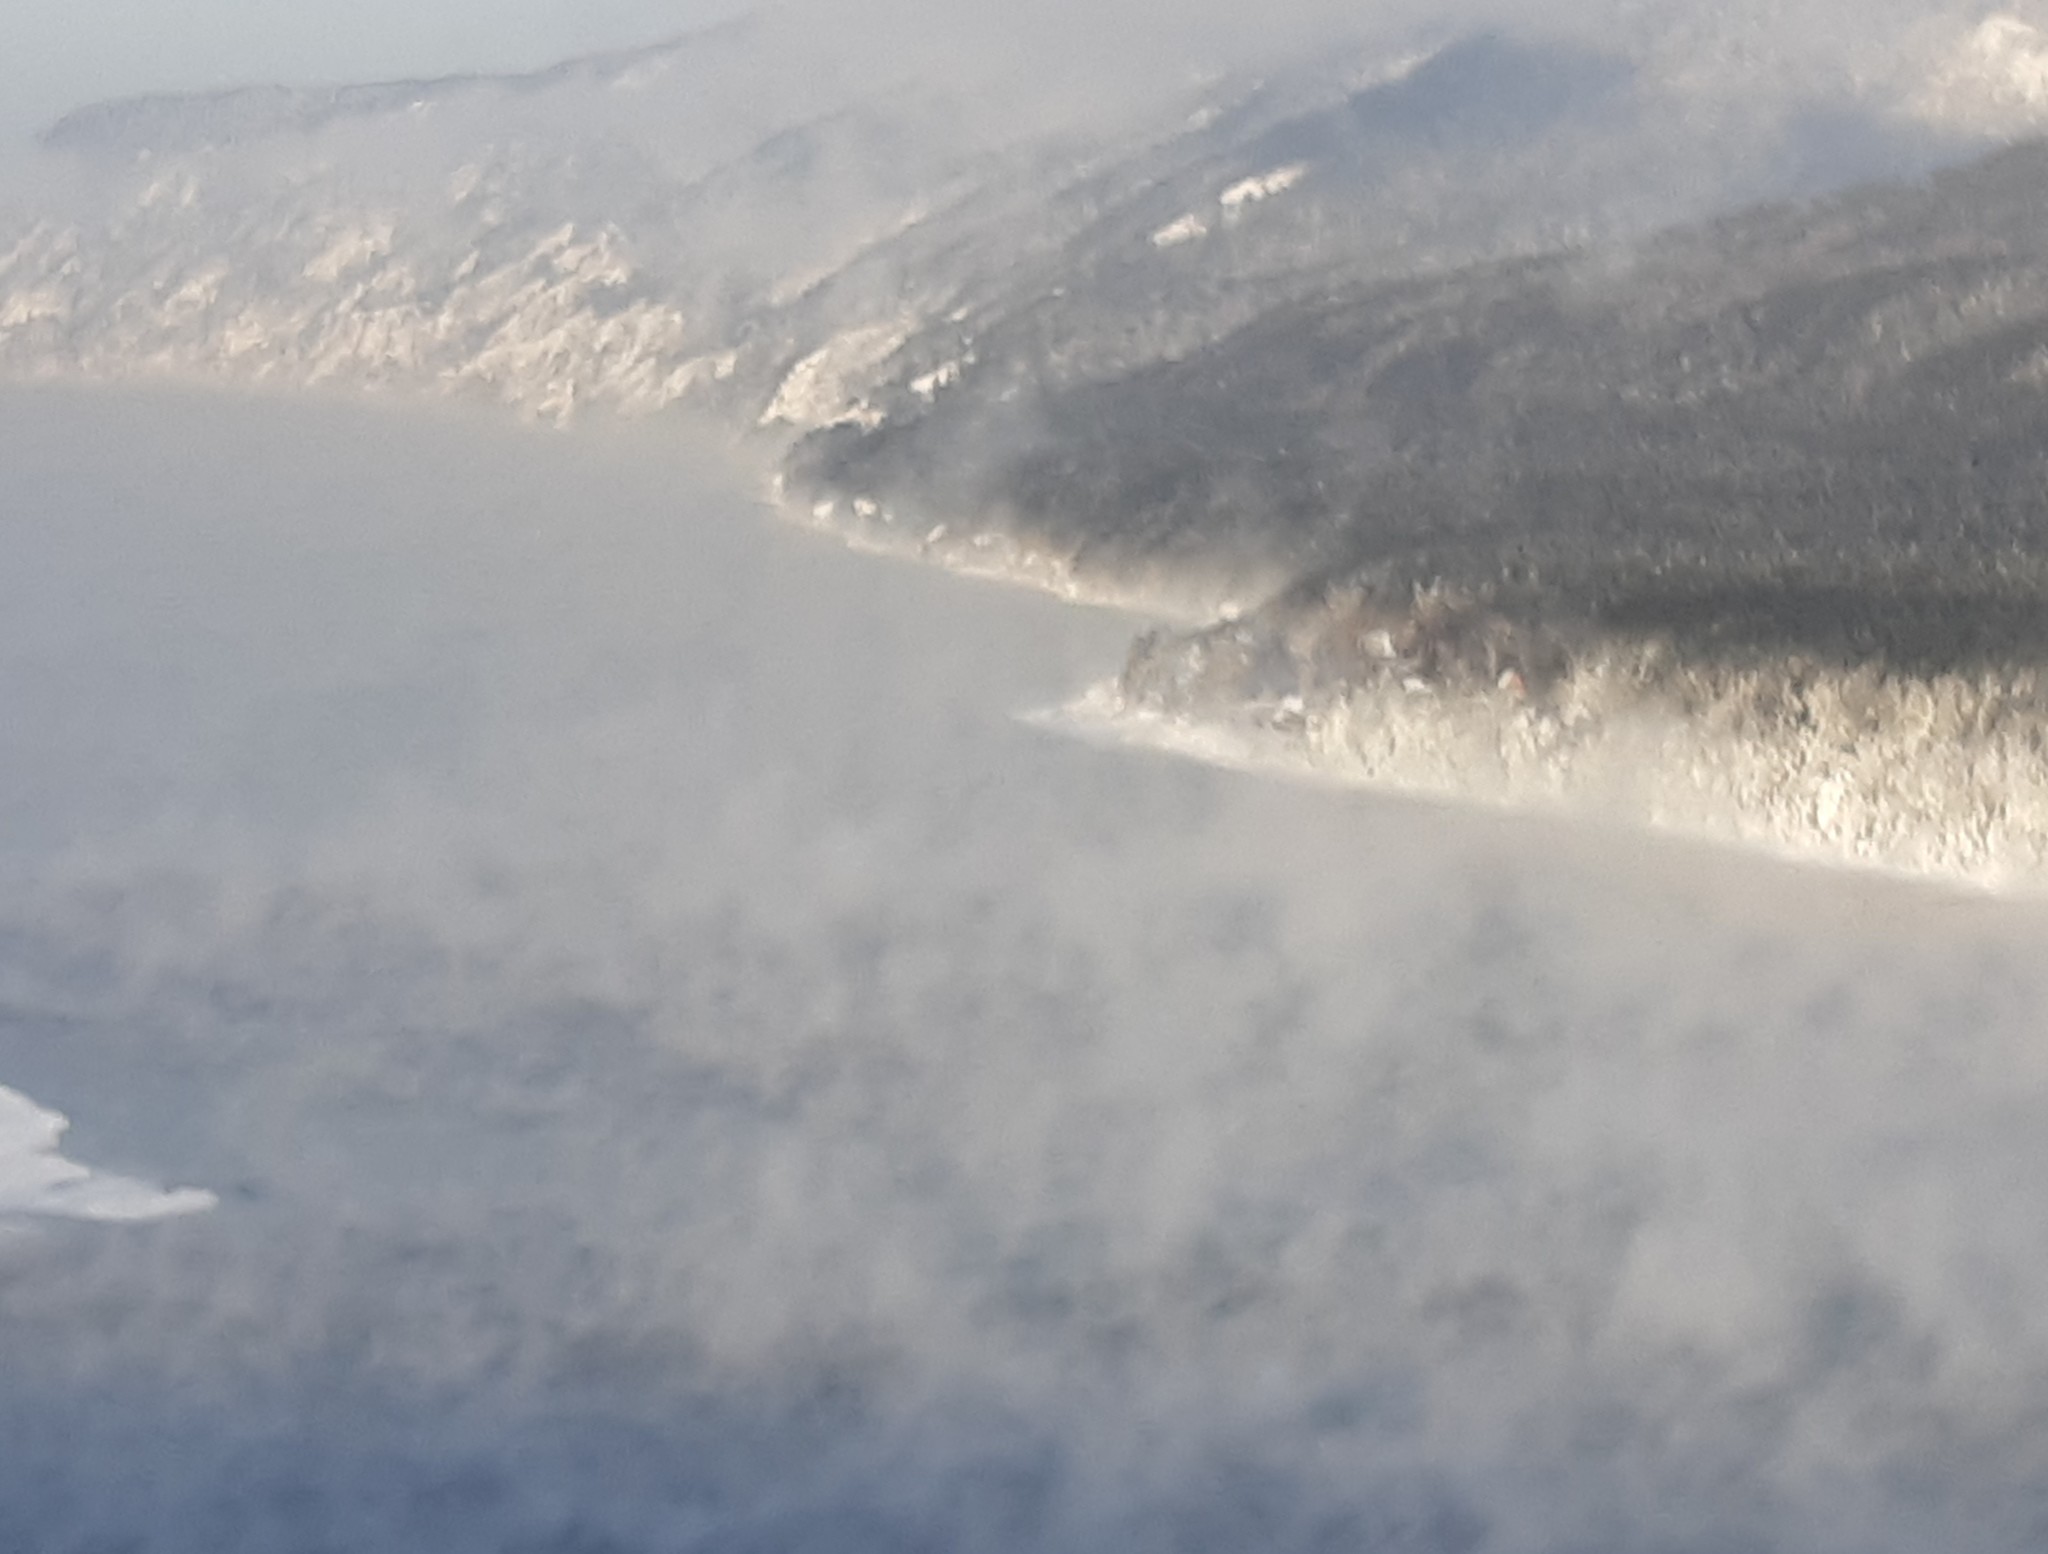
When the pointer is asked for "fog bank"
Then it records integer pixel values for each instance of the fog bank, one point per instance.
(683, 1067)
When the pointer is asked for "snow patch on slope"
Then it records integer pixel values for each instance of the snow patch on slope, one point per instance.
(1994, 81)
(1184, 230)
(820, 389)
(1233, 202)
(352, 248)
(927, 386)
(1261, 186)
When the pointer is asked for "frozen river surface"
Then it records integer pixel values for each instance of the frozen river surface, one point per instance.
(679, 1066)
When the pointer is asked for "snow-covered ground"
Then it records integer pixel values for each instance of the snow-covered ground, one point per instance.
(36, 1179)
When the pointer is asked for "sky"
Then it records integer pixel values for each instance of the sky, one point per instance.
(59, 54)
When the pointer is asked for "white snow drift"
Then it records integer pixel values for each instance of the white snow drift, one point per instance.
(37, 1180)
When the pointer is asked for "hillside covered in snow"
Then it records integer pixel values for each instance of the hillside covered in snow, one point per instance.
(1439, 379)
(738, 220)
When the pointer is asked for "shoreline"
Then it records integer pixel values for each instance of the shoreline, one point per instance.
(1700, 786)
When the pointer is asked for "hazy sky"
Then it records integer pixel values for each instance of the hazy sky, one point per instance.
(60, 53)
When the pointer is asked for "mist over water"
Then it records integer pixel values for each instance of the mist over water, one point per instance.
(683, 1066)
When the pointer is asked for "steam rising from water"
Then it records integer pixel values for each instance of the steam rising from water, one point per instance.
(684, 1069)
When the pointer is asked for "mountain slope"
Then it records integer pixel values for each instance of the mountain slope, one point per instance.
(1374, 366)
(757, 198)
